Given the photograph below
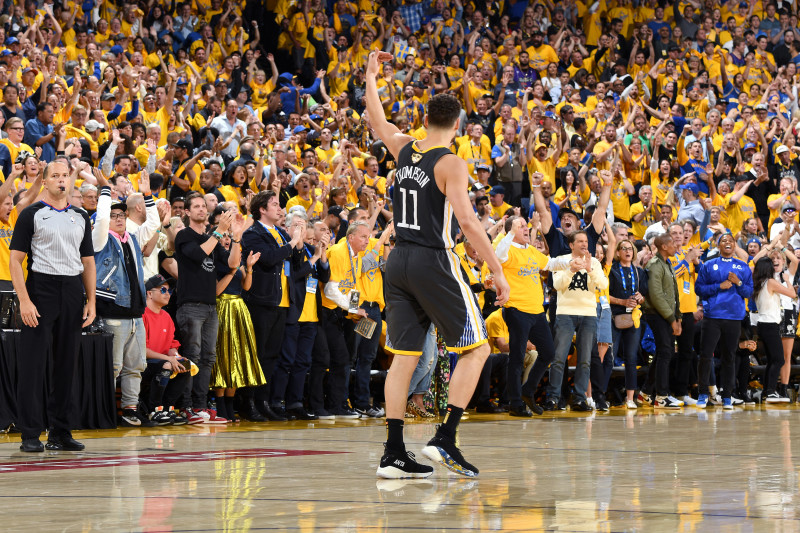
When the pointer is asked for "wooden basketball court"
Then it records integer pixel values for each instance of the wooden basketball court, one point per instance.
(678, 471)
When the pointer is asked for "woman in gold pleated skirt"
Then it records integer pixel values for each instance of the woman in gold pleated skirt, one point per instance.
(237, 359)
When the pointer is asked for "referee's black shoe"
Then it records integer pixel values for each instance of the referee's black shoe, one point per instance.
(401, 465)
(31, 446)
(63, 443)
(443, 450)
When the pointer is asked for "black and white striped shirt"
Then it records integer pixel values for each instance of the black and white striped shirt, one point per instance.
(54, 240)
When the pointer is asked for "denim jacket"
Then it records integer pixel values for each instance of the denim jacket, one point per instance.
(113, 284)
(112, 276)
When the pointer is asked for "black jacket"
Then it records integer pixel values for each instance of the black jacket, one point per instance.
(297, 286)
(624, 291)
(266, 287)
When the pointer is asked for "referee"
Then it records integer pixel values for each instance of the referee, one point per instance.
(57, 239)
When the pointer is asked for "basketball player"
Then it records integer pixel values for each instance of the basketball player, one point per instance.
(423, 280)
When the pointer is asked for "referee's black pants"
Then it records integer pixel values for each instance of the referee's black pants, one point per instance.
(59, 301)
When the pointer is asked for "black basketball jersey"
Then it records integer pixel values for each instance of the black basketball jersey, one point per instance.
(422, 213)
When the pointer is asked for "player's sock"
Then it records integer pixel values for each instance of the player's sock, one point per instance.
(450, 424)
(394, 434)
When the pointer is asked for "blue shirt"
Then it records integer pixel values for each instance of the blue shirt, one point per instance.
(413, 14)
(35, 130)
(727, 304)
(287, 99)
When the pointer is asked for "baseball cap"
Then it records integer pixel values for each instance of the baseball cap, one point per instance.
(108, 96)
(182, 81)
(550, 114)
(673, 48)
(781, 149)
(760, 107)
(497, 189)
(315, 117)
(749, 146)
(8, 53)
(185, 144)
(690, 187)
(299, 129)
(425, 46)
(157, 281)
(567, 211)
(220, 81)
(93, 125)
(539, 145)
(29, 69)
(12, 40)
(116, 49)
(122, 206)
(788, 206)
(483, 166)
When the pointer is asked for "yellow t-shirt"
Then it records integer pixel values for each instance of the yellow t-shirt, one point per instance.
(522, 271)
(296, 200)
(640, 227)
(344, 270)
(370, 280)
(546, 167)
(6, 232)
(685, 275)
(498, 212)
(739, 212)
(620, 200)
(160, 117)
(15, 150)
(496, 328)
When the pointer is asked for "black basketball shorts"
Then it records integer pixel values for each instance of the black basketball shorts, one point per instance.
(425, 285)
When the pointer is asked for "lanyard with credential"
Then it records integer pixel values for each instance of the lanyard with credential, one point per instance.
(633, 279)
(350, 255)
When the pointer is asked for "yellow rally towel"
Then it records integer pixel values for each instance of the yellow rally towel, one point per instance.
(193, 369)
(636, 314)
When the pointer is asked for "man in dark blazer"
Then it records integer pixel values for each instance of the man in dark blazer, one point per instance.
(289, 377)
(270, 296)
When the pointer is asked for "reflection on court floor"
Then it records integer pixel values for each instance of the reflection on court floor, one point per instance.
(687, 470)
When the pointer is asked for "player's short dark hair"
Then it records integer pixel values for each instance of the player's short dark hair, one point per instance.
(443, 111)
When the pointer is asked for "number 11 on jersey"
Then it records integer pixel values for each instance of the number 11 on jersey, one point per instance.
(405, 203)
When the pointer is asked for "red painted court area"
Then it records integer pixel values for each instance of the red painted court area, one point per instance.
(151, 459)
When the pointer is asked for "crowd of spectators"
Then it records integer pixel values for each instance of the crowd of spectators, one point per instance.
(634, 162)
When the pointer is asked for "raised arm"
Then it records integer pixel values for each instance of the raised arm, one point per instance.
(388, 133)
